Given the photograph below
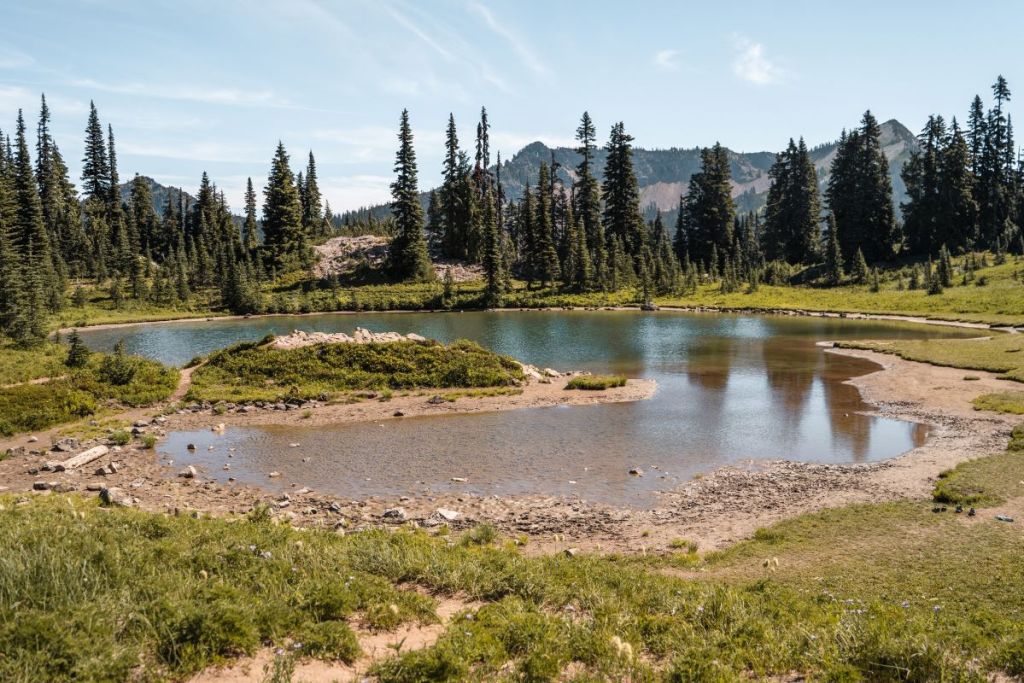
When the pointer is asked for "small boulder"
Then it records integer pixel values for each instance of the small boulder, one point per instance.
(66, 445)
(435, 400)
(188, 473)
(116, 497)
(397, 514)
(447, 515)
(636, 472)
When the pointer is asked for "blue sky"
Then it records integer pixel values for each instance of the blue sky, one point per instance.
(212, 85)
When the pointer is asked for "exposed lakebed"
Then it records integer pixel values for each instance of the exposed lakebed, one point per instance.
(730, 388)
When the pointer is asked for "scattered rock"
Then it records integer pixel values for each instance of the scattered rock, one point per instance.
(572, 552)
(435, 400)
(188, 473)
(398, 413)
(116, 497)
(447, 515)
(42, 486)
(395, 514)
(33, 439)
(191, 447)
(459, 480)
(274, 475)
(636, 472)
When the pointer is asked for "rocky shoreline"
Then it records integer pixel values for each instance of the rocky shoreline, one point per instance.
(715, 510)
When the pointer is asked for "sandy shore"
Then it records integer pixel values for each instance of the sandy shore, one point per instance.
(534, 395)
(716, 510)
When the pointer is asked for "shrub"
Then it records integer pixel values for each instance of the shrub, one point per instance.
(596, 382)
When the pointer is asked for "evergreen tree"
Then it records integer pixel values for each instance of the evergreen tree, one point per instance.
(793, 212)
(860, 194)
(457, 199)
(492, 250)
(250, 239)
(78, 353)
(621, 192)
(859, 270)
(284, 239)
(95, 163)
(143, 218)
(545, 266)
(407, 258)
(30, 240)
(708, 210)
(312, 215)
(833, 255)
(587, 197)
(996, 174)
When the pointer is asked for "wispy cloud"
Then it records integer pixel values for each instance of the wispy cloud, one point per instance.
(15, 97)
(190, 93)
(417, 31)
(666, 59)
(520, 46)
(750, 63)
(12, 58)
(349, 192)
(198, 151)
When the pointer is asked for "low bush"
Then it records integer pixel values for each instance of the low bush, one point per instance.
(260, 372)
(596, 382)
(1002, 402)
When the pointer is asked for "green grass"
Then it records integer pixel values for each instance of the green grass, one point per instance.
(1002, 402)
(596, 382)
(83, 392)
(1002, 353)
(256, 371)
(23, 364)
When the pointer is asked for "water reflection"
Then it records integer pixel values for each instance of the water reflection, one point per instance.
(730, 388)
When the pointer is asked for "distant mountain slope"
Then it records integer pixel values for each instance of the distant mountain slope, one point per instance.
(161, 193)
(664, 174)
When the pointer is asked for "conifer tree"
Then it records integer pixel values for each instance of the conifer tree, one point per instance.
(859, 271)
(250, 239)
(95, 164)
(621, 192)
(833, 255)
(312, 215)
(78, 353)
(588, 197)
(860, 194)
(284, 239)
(708, 210)
(793, 212)
(408, 259)
(30, 240)
(492, 250)
(545, 267)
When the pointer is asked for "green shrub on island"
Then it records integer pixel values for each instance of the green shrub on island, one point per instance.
(255, 371)
(596, 382)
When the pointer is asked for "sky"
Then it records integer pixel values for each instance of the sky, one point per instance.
(212, 85)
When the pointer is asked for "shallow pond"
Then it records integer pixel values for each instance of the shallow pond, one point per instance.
(730, 388)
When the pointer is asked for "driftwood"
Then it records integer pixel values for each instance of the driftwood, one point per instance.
(76, 461)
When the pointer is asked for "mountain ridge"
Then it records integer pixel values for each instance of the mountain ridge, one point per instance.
(664, 174)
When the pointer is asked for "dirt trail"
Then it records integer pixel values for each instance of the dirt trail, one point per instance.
(376, 646)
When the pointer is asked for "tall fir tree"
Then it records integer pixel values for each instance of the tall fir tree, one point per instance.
(793, 212)
(545, 266)
(587, 194)
(621, 192)
(284, 239)
(408, 259)
(312, 212)
(860, 194)
(250, 236)
(709, 211)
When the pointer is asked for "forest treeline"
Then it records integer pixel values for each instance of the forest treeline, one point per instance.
(965, 192)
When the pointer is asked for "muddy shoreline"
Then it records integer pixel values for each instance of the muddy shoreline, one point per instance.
(715, 510)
